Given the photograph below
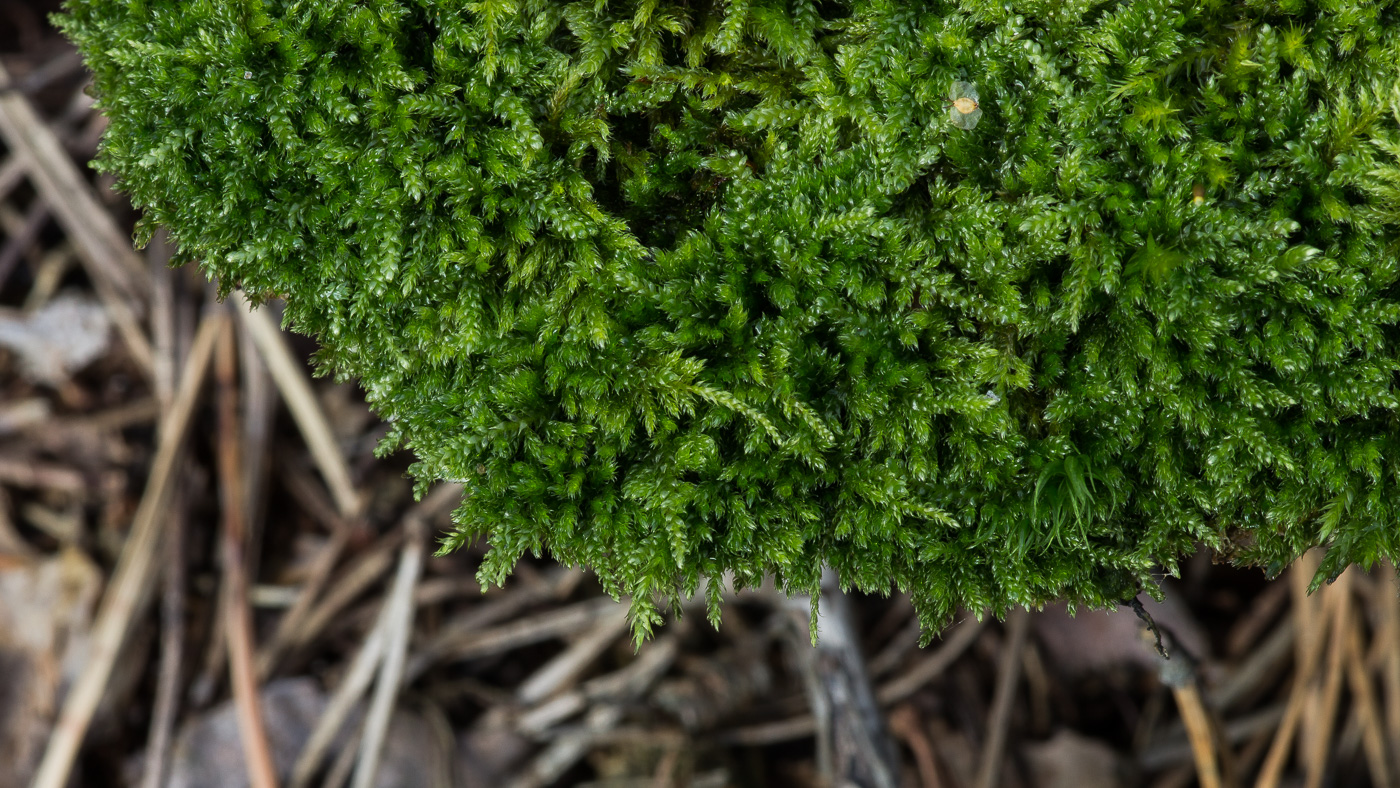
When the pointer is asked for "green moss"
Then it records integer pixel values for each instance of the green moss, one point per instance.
(684, 288)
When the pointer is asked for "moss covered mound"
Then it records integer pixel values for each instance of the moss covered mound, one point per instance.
(685, 288)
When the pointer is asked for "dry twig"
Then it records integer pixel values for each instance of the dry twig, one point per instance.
(1388, 646)
(1329, 691)
(1309, 646)
(347, 694)
(852, 745)
(172, 641)
(301, 487)
(1008, 673)
(906, 725)
(133, 576)
(116, 272)
(932, 666)
(291, 379)
(1368, 715)
(262, 773)
(400, 609)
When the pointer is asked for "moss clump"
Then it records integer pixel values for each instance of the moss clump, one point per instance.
(680, 288)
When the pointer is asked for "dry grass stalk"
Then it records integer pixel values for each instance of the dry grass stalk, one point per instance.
(172, 643)
(400, 609)
(563, 670)
(357, 578)
(905, 724)
(291, 379)
(262, 773)
(1310, 623)
(1008, 675)
(22, 237)
(1199, 732)
(1256, 620)
(1257, 671)
(351, 688)
(133, 576)
(305, 491)
(1388, 644)
(1175, 748)
(11, 173)
(931, 667)
(457, 644)
(1368, 714)
(115, 270)
(1328, 692)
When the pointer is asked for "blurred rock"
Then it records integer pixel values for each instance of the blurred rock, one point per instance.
(1093, 640)
(58, 339)
(209, 754)
(489, 754)
(45, 614)
(1069, 760)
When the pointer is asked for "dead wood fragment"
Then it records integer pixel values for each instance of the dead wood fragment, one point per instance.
(852, 745)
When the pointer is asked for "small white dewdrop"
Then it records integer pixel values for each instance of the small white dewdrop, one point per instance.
(963, 108)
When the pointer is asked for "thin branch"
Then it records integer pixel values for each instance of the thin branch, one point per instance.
(931, 667)
(1199, 733)
(1329, 693)
(347, 694)
(1367, 712)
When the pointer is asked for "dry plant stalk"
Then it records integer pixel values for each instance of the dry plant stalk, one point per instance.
(262, 773)
(1363, 691)
(291, 379)
(1328, 694)
(1389, 647)
(1008, 675)
(1310, 622)
(399, 607)
(1199, 731)
(115, 270)
(133, 577)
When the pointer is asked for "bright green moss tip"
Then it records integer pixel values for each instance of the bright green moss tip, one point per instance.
(680, 289)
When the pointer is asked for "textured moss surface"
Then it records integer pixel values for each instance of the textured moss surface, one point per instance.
(684, 288)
